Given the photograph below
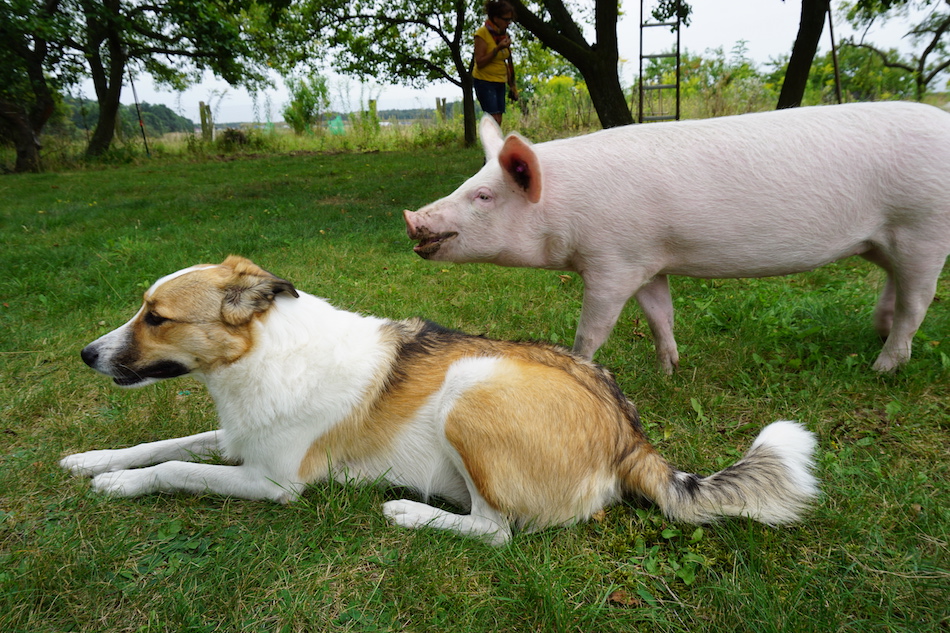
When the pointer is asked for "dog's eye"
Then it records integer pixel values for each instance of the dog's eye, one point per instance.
(154, 319)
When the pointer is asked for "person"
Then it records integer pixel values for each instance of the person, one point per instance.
(493, 64)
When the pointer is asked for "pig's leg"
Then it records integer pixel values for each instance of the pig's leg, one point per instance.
(884, 311)
(604, 298)
(915, 287)
(657, 305)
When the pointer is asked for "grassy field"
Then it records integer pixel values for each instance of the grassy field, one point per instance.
(79, 248)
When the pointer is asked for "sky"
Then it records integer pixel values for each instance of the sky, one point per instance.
(768, 28)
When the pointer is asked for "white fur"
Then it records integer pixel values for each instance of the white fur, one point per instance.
(795, 446)
(747, 196)
(772, 483)
(310, 368)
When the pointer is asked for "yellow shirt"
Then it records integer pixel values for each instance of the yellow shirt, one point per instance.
(496, 70)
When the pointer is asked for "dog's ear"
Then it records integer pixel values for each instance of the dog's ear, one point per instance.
(250, 290)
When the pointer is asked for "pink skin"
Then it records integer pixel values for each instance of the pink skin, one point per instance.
(749, 196)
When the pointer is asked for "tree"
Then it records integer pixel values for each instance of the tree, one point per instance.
(803, 52)
(309, 98)
(552, 23)
(28, 95)
(933, 33)
(174, 41)
(398, 41)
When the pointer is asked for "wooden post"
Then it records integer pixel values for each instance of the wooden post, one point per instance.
(207, 124)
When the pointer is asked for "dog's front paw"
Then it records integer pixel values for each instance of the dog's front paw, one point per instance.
(125, 483)
(91, 463)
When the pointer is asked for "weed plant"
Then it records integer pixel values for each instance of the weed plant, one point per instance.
(80, 246)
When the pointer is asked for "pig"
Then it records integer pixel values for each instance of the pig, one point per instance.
(752, 195)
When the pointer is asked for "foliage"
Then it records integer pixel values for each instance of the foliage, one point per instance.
(173, 41)
(561, 103)
(667, 9)
(713, 85)
(309, 100)
(81, 246)
(864, 77)
(931, 35)
(727, 85)
(562, 27)
(405, 43)
(537, 65)
(158, 119)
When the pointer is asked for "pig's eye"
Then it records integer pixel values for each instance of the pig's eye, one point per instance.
(484, 196)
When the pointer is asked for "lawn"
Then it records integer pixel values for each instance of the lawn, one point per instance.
(81, 246)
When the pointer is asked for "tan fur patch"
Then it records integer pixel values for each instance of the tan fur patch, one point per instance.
(190, 309)
(203, 317)
(537, 444)
(541, 438)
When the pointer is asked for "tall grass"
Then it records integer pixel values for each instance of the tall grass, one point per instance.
(80, 247)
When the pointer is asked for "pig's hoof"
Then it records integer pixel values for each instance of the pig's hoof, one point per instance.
(669, 365)
(669, 370)
(886, 366)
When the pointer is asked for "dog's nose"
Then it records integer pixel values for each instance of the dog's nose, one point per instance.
(89, 355)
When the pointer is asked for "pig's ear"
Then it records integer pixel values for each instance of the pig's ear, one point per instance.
(490, 134)
(520, 162)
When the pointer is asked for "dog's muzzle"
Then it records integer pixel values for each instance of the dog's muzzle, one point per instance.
(125, 376)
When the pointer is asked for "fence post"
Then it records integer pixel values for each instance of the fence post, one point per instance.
(207, 124)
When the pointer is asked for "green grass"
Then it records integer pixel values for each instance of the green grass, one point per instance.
(80, 247)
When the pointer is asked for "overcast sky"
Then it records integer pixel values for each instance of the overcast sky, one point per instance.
(768, 28)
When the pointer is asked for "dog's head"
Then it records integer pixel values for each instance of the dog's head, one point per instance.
(194, 320)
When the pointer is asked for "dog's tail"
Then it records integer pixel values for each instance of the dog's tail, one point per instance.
(771, 483)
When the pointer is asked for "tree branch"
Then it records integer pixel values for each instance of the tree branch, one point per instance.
(884, 57)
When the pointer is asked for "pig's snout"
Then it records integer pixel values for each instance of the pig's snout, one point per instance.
(429, 242)
(411, 230)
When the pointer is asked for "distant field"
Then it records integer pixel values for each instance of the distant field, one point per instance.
(79, 247)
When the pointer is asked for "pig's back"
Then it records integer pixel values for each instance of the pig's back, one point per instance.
(824, 180)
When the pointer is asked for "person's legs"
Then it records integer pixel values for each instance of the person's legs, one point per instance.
(491, 97)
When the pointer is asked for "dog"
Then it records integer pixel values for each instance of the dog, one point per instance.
(520, 435)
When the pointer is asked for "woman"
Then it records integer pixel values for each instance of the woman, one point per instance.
(493, 67)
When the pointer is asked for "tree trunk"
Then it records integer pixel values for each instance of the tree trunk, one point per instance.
(107, 73)
(18, 126)
(468, 110)
(25, 121)
(607, 94)
(102, 136)
(803, 52)
(597, 63)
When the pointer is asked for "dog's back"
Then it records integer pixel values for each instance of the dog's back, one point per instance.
(543, 437)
